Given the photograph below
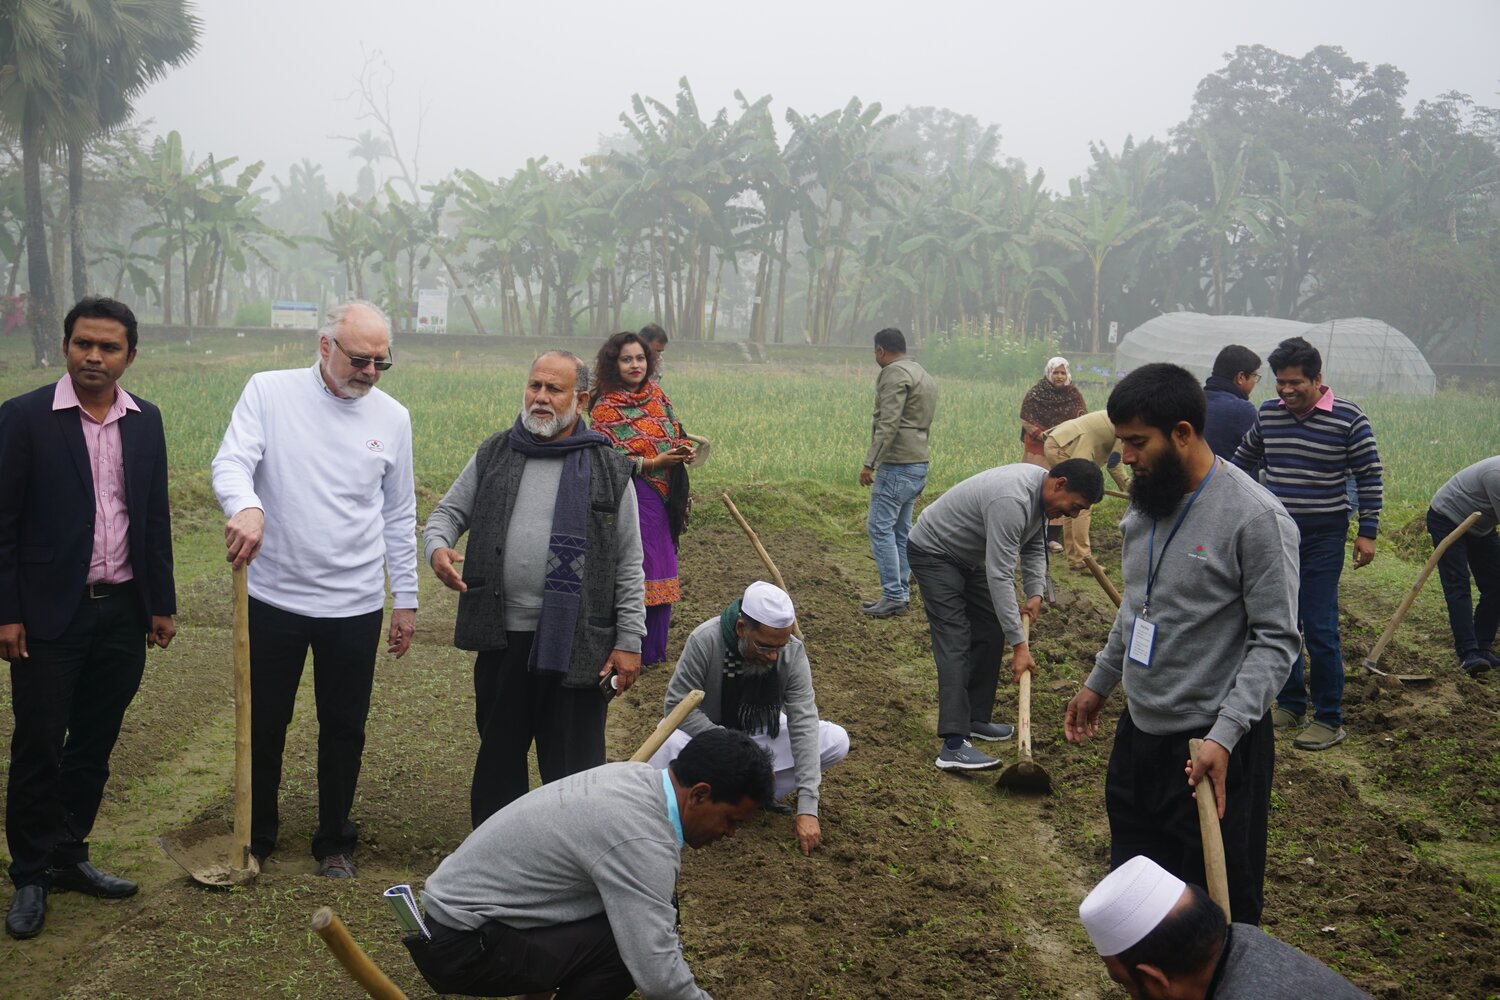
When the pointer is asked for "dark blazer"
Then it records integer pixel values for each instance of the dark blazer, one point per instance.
(47, 513)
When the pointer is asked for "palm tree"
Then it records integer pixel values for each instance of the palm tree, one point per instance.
(371, 148)
(1094, 225)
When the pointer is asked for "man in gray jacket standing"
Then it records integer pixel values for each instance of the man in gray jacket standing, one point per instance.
(552, 596)
(1203, 640)
(572, 887)
(964, 552)
(895, 467)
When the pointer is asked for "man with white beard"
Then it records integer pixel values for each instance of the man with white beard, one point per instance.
(552, 593)
(315, 476)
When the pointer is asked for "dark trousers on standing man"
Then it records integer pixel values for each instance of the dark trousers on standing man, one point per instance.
(514, 705)
(579, 960)
(967, 640)
(343, 652)
(1152, 811)
(1473, 625)
(69, 696)
(1322, 562)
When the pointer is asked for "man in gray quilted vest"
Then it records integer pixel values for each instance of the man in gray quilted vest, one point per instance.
(552, 597)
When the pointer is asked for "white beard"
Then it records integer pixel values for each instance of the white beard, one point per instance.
(348, 387)
(550, 427)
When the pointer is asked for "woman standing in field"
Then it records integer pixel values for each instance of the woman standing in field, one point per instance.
(635, 414)
(1048, 403)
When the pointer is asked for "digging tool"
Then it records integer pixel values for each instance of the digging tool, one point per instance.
(327, 925)
(1099, 574)
(1213, 839)
(666, 727)
(1117, 493)
(1025, 775)
(206, 851)
(1372, 662)
(760, 550)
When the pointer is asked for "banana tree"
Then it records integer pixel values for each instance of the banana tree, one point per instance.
(1095, 224)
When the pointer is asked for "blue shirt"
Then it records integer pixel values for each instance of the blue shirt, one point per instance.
(672, 813)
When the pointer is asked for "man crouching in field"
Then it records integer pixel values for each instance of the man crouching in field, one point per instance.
(1203, 640)
(529, 902)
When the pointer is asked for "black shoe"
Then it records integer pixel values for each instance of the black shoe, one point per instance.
(337, 866)
(85, 878)
(885, 608)
(778, 807)
(28, 911)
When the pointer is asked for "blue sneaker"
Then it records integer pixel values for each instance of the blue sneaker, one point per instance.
(965, 758)
(995, 732)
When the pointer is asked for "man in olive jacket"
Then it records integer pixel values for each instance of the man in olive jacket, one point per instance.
(896, 466)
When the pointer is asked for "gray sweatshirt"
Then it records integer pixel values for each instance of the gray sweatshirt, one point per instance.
(1225, 610)
(1259, 967)
(701, 668)
(994, 520)
(526, 549)
(599, 841)
(1474, 488)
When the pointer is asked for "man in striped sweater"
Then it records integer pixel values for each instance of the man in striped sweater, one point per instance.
(1309, 442)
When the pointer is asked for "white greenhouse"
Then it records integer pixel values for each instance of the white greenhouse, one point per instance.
(1360, 356)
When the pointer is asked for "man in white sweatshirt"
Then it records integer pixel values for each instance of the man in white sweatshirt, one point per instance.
(315, 476)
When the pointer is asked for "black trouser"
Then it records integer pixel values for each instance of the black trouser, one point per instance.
(343, 652)
(967, 641)
(1473, 625)
(1152, 810)
(69, 697)
(579, 960)
(513, 706)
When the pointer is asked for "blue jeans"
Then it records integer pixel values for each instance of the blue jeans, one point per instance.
(892, 498)
(1322, 555)
(1473, 626)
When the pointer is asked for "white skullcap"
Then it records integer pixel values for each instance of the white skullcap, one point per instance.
(768, 604)
(1128, 904)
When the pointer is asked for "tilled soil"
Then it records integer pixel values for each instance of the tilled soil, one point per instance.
(1382, 851)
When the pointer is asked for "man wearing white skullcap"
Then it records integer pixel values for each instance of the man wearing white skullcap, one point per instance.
(755, 678)
(1163, 939)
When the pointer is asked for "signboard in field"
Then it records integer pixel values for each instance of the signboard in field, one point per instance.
(432, 310)
(294, 315)
(1114, 332)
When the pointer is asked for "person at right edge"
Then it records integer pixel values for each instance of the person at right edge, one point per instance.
(1203, 639)
(1310, 442)
(1476, 551)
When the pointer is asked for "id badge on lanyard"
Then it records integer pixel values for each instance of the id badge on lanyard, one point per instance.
(1143, 632)
(1142, 638)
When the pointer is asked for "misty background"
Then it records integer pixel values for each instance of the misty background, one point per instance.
(782, 172)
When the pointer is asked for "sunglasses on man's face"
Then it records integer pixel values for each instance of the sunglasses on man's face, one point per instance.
(381, 364)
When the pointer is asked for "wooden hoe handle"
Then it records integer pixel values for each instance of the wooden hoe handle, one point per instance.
(1023, 714)
(1416, 588)
(242, 857)
(327, 925)
(666, 727)
(1099, 574)
(1213, 839)
(760, 550)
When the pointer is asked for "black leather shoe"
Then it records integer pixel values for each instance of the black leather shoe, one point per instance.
(778, 807)
(85, 878)
(28, 911)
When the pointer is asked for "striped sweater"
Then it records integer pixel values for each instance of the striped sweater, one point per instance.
(1308, 461)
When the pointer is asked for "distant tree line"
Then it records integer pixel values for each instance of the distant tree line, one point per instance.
(1297, 187)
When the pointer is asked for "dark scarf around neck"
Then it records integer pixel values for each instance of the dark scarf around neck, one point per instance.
(750, 700)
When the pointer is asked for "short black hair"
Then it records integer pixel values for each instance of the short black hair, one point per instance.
(1187, 939)
(1083, 476)
(730, 762)
(653, 334)
(1160, 395)
(891, 340)
(1294, 352)
(1234, 359)
(99, 307)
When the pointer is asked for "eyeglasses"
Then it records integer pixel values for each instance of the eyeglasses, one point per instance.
(381, 364)
(762, 648)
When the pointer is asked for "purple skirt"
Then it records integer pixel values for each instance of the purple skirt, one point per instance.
(659, 560)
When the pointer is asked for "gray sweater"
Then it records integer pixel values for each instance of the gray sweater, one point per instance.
(1225, 610)
(701, 668)
(526, 548)
(1259, 967)
(994, 520)
(1474, 488)
(599, 841)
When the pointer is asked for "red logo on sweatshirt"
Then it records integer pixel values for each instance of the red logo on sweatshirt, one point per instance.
(374, 445)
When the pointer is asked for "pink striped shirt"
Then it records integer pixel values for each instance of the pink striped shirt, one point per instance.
(111, 561)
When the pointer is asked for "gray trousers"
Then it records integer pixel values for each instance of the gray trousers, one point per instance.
(967, 640)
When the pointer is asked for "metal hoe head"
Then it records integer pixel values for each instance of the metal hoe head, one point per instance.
(1025, 775)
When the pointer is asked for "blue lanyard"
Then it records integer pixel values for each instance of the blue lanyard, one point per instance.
(1152, 570)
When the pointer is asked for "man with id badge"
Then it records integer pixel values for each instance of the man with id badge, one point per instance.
(1203, 640)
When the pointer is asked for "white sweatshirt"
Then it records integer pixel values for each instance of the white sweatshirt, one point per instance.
(334, 478)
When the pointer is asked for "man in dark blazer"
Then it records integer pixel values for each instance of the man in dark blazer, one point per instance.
(85, 576)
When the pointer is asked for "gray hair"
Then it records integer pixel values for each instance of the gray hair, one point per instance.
(580, 369)
(337, 314)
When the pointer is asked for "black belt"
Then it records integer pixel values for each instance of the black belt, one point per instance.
(98, 591)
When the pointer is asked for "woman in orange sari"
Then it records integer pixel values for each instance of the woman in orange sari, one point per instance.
(635, 414)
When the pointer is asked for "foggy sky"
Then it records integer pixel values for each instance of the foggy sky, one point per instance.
(506, 80)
